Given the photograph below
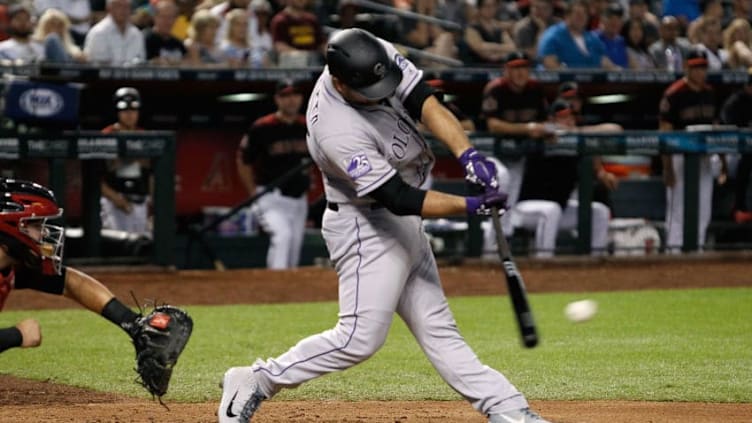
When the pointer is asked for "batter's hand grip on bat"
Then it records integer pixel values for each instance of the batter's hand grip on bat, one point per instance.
(515, 286)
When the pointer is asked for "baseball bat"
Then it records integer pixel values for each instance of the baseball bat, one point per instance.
(515, 286)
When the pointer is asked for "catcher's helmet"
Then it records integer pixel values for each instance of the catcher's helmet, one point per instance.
(126, 98)
(24, 209)
(361, 62)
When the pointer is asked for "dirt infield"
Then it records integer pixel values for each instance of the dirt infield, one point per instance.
(23, 400)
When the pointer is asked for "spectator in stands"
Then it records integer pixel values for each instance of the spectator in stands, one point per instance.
(114, 40)
(77, 11)
(685, 11)
(459, 11)
(20, 47)
(610, 35)
(669, 52)
(637, 46)
(201, 42)
(183, 21)
(737, 110)
(569, 44)
(740, 9)
(688, 101)
(234, 47)
(162, 48)
(711, 10)
(426, 36)
(528, 30)
(486, 40)
(298, 36)
(127, 185)
(711, 36)
(639, 11)
(595, 11)
(275, 144)
(53, 33)
(262, 46)
(737, 41)
(222, 9)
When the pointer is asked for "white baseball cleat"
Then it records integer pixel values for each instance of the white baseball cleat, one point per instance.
(241, 396)
(523, 415)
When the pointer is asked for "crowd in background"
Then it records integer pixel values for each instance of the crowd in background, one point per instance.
(611, 34)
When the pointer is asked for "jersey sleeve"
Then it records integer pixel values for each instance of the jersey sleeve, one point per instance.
(411, 75)
(251, 148)
(667, 110)
(355, 160)
(28, 279)
(490, 106)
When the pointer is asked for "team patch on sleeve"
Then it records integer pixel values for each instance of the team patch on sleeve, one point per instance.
(358, 166)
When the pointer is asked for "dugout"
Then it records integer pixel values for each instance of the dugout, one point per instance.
(208, 119)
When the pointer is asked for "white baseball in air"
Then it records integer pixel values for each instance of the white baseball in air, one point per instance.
(581, 311)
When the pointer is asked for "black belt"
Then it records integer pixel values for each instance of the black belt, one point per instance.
(335, 206)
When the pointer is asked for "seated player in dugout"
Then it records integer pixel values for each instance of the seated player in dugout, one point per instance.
(553, 179)
(128, 183)
(275, 144)
(31, 254)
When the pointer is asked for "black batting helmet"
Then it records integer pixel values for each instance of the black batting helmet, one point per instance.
(361, 62)
(126, 98)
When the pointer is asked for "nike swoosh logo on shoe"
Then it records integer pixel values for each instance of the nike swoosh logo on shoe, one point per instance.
(229, 406)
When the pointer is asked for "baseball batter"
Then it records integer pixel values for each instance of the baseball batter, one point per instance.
(362, 134)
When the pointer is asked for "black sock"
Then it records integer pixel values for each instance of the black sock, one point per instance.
(10, 338)
(119, 314)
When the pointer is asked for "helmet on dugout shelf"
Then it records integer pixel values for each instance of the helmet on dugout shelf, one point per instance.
(360, 61)
(126, 98)
(25, 208)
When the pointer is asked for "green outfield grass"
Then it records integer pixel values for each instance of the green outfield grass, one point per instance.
(677, 345)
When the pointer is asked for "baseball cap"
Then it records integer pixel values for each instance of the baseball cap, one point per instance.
(287, 87)
(697, 58)
(614, 9)
(261, 5)
(568, 89)
(560, 108)
(517, 59)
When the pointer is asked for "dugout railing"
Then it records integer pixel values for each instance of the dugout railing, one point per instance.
(645, 143)
(89, 147)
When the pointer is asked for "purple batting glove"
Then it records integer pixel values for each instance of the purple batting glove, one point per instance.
(481, 205)
(478, 169)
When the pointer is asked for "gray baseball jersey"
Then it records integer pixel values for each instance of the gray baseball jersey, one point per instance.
(384, 262)
(364, 146)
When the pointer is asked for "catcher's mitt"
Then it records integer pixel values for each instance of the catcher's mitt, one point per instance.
(159, 338)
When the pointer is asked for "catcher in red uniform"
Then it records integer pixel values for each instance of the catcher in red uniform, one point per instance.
(31, 252)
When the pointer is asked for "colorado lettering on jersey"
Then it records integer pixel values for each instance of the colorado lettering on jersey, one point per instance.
(358, 166)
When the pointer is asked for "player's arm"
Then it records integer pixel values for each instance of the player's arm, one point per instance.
(244, 169)
(403, 200)
(444, 125)
(25, 334)
(528, 129)
(86, 290)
